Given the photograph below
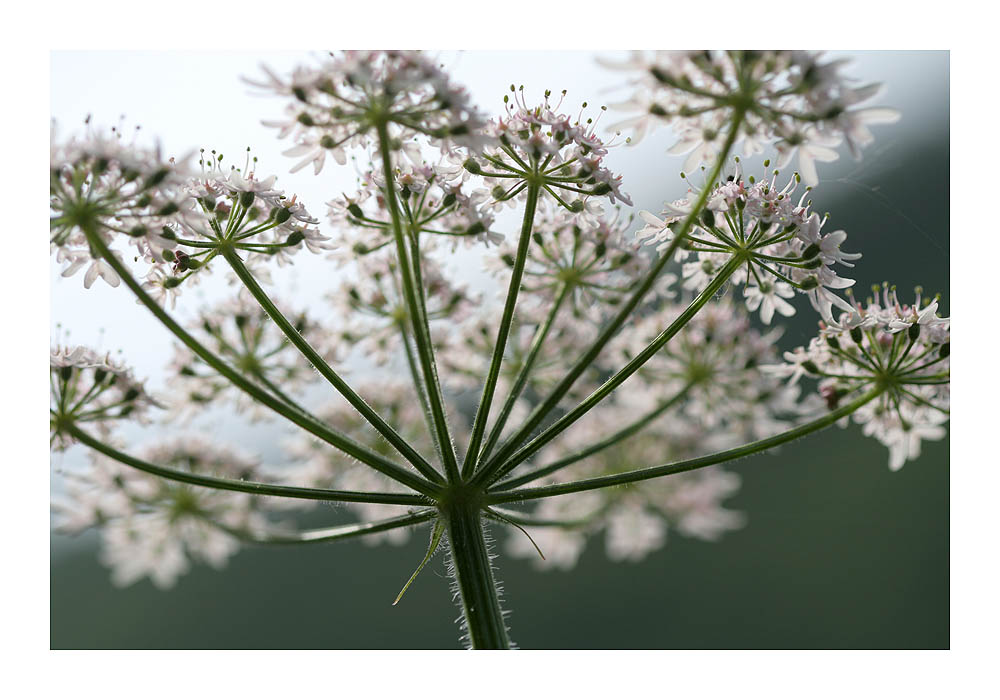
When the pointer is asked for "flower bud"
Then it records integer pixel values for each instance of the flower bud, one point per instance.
(707, 218)
(246, 199)
(295, 237)
(355, 211)
(472, 165)
(811, 252)
(282, 214)
(856, 335)
(913, 332)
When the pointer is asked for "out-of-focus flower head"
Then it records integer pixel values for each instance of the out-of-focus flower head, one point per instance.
(338, 104)
(240, 332)
(152, 527)
(797, 100)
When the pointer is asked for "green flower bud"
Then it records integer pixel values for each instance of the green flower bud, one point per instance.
(246, 199)
(472, 166)
(157, 177)
(913, 332)
(282, 214)
(856, 335)
(811, 252)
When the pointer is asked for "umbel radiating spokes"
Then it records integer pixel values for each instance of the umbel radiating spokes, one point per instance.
(585, 312)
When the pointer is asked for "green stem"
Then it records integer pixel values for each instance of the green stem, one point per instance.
(539, 413)
(252, 487)
(522, 377)
(620, 376)
(423, 340)
(631, 477)
(483, 412)
(317, 361)
(626, 432)
(305, 421)
(329, 534)
(420, 389)
(473, 573)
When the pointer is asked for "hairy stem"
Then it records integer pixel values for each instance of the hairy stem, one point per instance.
(330, 534)
(474, 577)
(483, 412)
(631, 477)
(624, 373)
(317, 361)
(251, 487)
(425, 350)
(626, 432)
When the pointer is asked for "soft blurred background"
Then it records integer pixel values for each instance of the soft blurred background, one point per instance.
(838, 552)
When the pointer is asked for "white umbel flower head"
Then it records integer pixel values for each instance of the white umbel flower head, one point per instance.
(90, 389)
(900, 349)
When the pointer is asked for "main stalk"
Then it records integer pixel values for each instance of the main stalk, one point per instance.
(470, 560)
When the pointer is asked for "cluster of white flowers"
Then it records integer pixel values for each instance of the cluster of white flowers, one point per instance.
(902, 349)
(91, 389)
(591, 258)
(115, 188)
(778, 240)
(243, 335)
(796, 100)
(434, 200)
(566, 152)
(151, 527)
(339, 103)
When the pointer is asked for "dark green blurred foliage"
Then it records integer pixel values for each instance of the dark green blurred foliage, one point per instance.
(838, 552)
